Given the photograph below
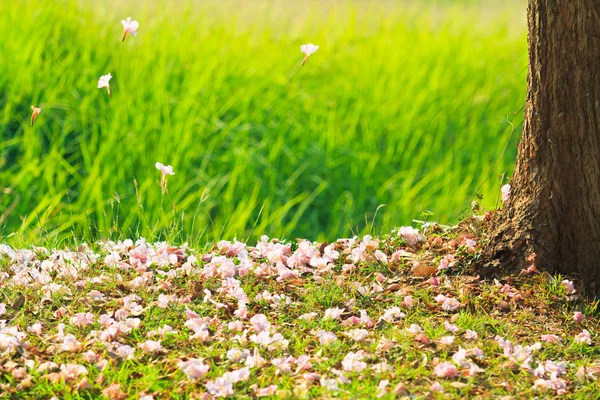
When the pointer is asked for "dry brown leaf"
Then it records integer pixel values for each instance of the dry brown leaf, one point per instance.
(424, 270)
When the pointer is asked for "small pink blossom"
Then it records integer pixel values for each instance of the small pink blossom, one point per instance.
(414, 329)
(451, 327)
(446, 370)
(70, 372)
(260, 323)
(329, 384)
(130, 27)
(471, 335)
(392, 314)
(103, 82)
(150, 346)
(447, 340)
(446, 262)
(551, 339)
(505, 193)
(82, 319)
(194, 368)
(326, 338)
(333, 313)
(578, 316)
(353, 362)
(382, 388)
(237, 326)
(220, 387)
(569, 286)
(583, 337)
(408, 302)
(166, 170)
(308, 316)
(436, 387)
(70, 343)
(556, 384)
(268, 391)
(450, 304)
(440, 298)
(382, 258)
(410, 234)
(308, 49)
(35, 328)
(358, 335)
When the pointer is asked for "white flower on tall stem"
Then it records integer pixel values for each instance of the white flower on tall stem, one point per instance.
(308, 49)
(166, 170)
(103, 82)
(130, 27)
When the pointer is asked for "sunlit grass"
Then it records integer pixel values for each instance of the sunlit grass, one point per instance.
(403, 105)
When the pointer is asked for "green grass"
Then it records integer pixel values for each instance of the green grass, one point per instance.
(404, 104)
(540, 308)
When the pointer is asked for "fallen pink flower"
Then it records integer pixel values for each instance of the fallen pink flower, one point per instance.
(414, 329)
(150, 346)
(578, 316)
(268, 391)
(505, 193)
(382, 388)
(447, 340)
(326, 338)
(410, 234)
(193, 368)
(471, 335)
(451, 327)
(569, 286)
(333, 313)
(260, 323)
(446, 370)
(353, 362)
(436, 387)
(551, 339)
(583, 337)
(450, 304)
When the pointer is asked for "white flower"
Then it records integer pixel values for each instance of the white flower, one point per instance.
(308, 49)
(103, 82)
(130, 27)
(165, 169)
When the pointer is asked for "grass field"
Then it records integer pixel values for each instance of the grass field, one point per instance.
(350, 320)
(404, 105)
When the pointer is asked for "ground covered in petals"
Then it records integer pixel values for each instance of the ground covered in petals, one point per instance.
(398, 315)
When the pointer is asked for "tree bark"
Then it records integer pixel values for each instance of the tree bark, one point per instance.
(554, 205)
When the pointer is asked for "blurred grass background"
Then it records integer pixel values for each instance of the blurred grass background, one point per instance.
(404, 104)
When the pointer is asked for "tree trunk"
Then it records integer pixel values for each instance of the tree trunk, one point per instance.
(554, 205)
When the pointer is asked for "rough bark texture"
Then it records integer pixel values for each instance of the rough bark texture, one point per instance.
(554, 208)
